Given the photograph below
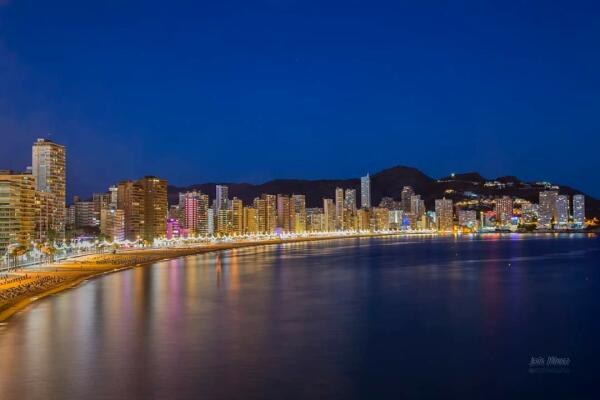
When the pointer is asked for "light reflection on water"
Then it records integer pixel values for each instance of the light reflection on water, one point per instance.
(358, 318)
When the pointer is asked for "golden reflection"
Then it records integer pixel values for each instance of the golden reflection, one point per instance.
(218, 270)
(234, 273)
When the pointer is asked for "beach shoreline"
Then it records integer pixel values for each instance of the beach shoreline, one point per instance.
(77, 271)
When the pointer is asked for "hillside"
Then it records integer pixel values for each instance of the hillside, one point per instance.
(390, 182)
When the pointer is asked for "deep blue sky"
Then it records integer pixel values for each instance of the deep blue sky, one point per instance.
(201, 91)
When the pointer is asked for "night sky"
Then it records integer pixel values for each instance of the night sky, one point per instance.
(233, 91)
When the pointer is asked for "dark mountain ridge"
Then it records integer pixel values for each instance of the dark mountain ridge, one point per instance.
(389, 183)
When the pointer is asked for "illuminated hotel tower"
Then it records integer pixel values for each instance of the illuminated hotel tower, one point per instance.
(190, 212)
(222, 197)
(283, 212)
(547, 210)
(298, 213)
(237, 215)
(504, 210)
(406, 195)
(350, 200)
(156, 207)
(365, 191)
(339, 208)
(130, 199)
(562, 211)
(444, 212)
(329, 215)
(203, 215)
(270, 212)
(49, 171)
(579, 210)
(145, 207)
(17, 209)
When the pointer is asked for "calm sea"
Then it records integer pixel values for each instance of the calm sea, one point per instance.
(499, 316)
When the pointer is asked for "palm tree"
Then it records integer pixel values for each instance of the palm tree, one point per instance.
(49, 250)
(15, 251)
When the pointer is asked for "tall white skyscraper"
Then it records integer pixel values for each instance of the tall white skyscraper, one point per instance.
(210, 221)
(562, 211)
(547, 209)
(365, 191)
(579, 210)
(222, 197)
(504, 210)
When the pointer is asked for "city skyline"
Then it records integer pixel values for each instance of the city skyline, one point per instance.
(72, 193)
(33, 208)
(464, 87)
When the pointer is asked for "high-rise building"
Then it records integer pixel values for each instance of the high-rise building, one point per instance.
(271, 212)
(266, 213)
(380, 219)
(365, 191)
(396, 217)
(101, 202)
(329, 215)
(250, 220)
(156, 207)
(195, 213)
(504, 210)
(84, 214)
(130, 199)
(298, 213)
(17, 209)
(44, 213)
(417, 206)
(405, 198)
(190, 206)
(237, 216)
(145, 206)
(70, 219)
(283, 213)
(49, 171)
(112, 224)
(579, 211)
(350, 200)
(222, 197)
(364, 219)
(260, 208)
(211, 221)
(339, 208)
(314, 220)
(562, 211)
(224, 221)
(547, 209)
(444, 212)
(203, 210)
(114, 196)
(529, 212)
